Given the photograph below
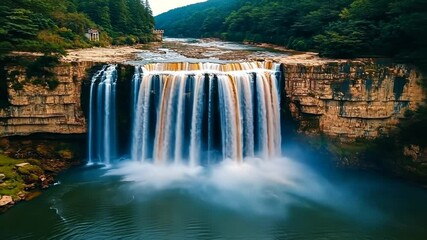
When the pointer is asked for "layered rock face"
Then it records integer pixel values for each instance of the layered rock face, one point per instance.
(349, 100)
(338, 98)
(36, 108)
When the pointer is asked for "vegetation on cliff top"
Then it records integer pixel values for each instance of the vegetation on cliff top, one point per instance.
(50, 26)
(337, 28)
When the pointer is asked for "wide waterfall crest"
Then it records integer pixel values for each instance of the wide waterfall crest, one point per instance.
(200, 113)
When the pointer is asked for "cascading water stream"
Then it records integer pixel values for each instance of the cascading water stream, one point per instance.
(91, 118)
(198, 113)
(102, 127)
(192, 114)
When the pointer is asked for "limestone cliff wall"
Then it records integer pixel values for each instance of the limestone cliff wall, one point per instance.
(351, 99)
(339, 98)
(36, 108)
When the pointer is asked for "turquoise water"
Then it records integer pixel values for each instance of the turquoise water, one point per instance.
(137, 202)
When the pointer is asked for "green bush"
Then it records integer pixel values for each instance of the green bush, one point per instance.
(40, 71)
(52, 83)
(17, 86)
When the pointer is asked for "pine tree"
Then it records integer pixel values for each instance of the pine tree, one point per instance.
(148, 7)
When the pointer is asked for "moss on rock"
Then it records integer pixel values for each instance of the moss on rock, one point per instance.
(66, 154)
(13, 183)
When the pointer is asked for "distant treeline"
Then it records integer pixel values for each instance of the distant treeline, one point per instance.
(51, 26)
(336, 28)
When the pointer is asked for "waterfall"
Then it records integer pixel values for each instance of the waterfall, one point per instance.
(102, 127)
(198, 113)
(188, 113)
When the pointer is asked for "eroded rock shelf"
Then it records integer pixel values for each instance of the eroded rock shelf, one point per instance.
(37, 109)
(351, 99)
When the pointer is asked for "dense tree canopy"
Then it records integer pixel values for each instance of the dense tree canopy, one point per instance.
(338, 28)
(197, 20)
(51, 26)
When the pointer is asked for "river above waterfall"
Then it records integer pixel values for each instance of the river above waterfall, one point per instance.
(212, 50)
(191, 50)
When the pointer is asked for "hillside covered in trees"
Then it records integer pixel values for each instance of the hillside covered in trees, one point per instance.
(197, 20)
(337, 28)
(50, 26)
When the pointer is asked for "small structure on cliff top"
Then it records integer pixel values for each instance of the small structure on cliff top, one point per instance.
(92, 35)
(158, 35)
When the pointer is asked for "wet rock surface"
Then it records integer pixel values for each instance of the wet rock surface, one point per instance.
(6, 200)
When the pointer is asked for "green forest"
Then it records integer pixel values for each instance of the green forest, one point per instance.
(51, 26)
(334, 28)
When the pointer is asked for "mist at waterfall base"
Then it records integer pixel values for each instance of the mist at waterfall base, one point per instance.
(246, 173)
(255, 187)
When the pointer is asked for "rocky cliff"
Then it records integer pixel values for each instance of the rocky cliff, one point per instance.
(348, 100)
(35, 108)
(345, 99)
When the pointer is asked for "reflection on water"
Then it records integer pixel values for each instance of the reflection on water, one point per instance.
(281, 199)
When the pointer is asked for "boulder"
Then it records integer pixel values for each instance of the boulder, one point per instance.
(22, 195)
(21, 164)
(29, 187)
(6, 200)
(44, 181)
(412, 151)
(4, 143)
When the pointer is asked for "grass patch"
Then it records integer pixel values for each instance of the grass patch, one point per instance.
(13, 183)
